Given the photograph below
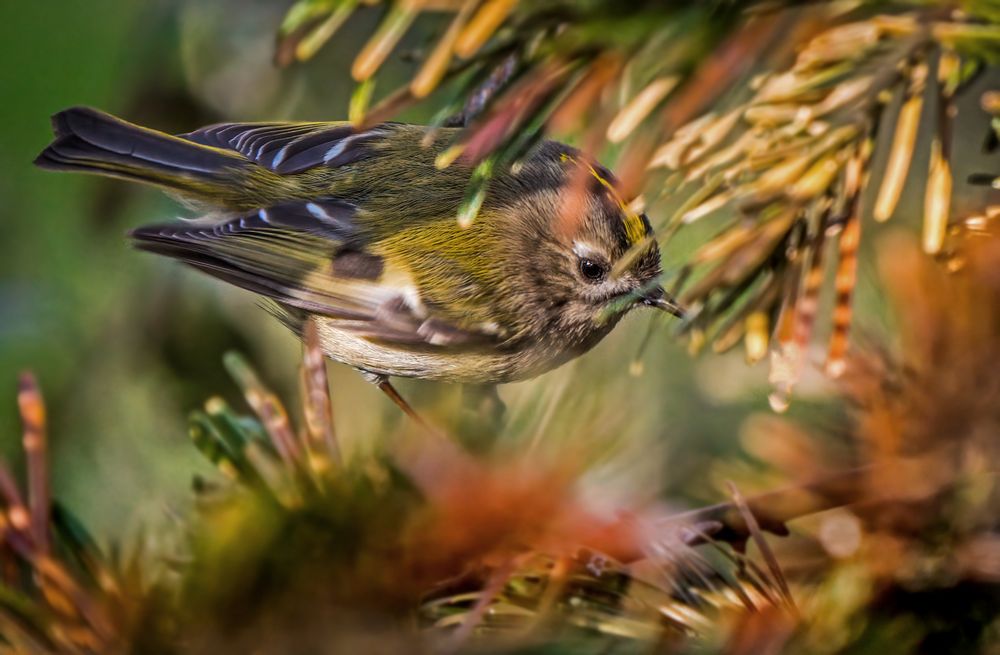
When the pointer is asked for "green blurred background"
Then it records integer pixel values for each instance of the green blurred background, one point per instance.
(125, 345)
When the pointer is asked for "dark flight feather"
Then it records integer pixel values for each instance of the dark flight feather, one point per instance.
(289, 253)
(90, 139)
(214, 164)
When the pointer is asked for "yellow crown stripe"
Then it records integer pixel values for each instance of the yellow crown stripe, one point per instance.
(635, 228)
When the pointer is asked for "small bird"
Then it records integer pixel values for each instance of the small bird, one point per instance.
(357, 230)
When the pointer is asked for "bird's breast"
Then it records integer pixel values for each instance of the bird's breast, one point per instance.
(480, 365)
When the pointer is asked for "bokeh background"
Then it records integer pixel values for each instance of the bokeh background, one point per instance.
(126, 345)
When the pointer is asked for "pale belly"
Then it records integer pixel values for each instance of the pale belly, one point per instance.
(481, 366)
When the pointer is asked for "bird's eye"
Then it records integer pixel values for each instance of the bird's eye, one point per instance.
(592, 270)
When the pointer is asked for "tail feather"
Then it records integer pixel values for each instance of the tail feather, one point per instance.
(92, 141)
(73, 154)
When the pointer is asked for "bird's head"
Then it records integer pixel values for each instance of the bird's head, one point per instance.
(580, 256)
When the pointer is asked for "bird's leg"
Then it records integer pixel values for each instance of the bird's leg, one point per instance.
(394, 396)
(382, 382)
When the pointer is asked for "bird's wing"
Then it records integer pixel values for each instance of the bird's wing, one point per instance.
(310, 256)
(288, 148)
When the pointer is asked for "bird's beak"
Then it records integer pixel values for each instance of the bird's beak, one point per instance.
(660, 299)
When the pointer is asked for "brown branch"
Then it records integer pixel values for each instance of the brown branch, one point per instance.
(320, 436)
(725, 522)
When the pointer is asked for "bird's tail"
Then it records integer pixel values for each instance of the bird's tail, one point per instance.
(92, 141)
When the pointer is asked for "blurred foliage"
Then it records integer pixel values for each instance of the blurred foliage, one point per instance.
(299, 548)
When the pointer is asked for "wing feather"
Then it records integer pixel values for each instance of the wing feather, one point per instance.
(289, 148)
(289, 253)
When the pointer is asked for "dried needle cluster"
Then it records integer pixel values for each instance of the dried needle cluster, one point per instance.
(910, 558)
(58, 592)
(792, 168)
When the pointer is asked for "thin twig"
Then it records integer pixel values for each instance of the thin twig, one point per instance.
(321, 438)
(32, 408)
(758, 536)
(268, 408)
